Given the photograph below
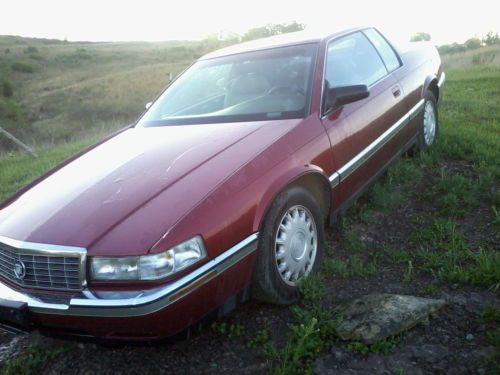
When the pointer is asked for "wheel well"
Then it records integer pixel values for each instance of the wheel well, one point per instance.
(433, 87)
(319, 187)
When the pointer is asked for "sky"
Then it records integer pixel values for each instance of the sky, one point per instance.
(149, 20)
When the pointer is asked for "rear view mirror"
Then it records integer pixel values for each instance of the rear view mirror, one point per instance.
(338, 96)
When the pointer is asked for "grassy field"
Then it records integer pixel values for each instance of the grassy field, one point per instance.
(61, 91)
(431, 225)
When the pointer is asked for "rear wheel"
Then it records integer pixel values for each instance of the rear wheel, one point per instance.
(290, 246)
(429, 128)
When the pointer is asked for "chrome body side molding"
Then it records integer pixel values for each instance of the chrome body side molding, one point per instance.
(345, 171)
(442, 78)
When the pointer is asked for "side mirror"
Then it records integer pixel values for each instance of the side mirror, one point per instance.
(338, 96)
(148, 105)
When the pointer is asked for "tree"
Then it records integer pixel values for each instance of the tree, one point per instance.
(420, 36)
(491, 39)
(272, 29)
(472, 43)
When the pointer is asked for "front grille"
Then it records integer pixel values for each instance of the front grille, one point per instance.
(41, 270)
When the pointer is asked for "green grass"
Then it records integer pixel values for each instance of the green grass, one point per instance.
(445, 253)
(312, 330)
(491, 313)
(430, 289)
(228, 330)
(18, 169)
(354, 267)
(33, 360)
(68, 89)
(383, 346)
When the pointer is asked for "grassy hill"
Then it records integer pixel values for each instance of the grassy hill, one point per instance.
(68, 91)
(484, 56)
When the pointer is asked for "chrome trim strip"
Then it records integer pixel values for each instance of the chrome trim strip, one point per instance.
(442, 78)
(35, 248)
(345, 171)
(42, 248)
(137, 303)
(334, 179)
(417, 108)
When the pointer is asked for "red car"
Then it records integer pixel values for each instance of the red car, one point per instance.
(220, 191)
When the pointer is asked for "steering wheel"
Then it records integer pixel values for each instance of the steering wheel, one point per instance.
(286, 89)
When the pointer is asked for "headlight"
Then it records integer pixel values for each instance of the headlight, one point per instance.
(149, 267)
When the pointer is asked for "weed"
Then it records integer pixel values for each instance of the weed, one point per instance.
(496, 216)
(30, 49)
(383, 346)
(36, 57)
(392, 256)
(7, 89)
(485, 270)
(352, 242)
(491, 313)
(312, 330)
(22, 67)
(32, 361)
(354, 267)
(228, 330)
(445, 253)
(430, 289)
(408, 275)
(19, 168)
(302, 347)
(456, 195)
(312, 306)
(260, 340)
(385, 197)
(11, 112)
(493, 338)
(440, 236)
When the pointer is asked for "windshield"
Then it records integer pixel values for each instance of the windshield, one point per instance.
(260, 85)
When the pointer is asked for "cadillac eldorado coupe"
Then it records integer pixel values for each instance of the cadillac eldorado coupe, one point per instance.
(220, 191)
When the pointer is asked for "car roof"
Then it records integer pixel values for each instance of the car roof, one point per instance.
(288, 39)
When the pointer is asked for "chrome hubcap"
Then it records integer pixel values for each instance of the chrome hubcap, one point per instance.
(296, 244)
(429, 123)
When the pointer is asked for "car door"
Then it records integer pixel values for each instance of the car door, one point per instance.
(353, 60)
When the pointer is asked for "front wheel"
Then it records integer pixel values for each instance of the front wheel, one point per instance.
(290, 246)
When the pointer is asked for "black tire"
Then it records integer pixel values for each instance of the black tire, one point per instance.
(267, 284)
(423, 144)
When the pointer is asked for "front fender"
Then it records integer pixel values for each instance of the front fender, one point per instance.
(279, 184)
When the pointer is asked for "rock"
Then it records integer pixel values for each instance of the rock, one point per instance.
(460, 300)
(430, 353)
(469, 337)
(338, 355)
(376, 316)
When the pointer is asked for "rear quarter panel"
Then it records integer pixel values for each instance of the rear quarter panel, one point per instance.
(422, 65)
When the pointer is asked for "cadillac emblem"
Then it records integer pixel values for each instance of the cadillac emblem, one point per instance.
(19, 270)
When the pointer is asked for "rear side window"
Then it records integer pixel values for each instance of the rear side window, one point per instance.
(352, 60)
(390, 58)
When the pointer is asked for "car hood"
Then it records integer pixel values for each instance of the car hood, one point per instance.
(82, 201)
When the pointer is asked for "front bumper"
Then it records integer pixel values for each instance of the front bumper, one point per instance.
(48, 308)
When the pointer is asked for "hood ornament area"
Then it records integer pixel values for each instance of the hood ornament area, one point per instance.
(19, 270)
